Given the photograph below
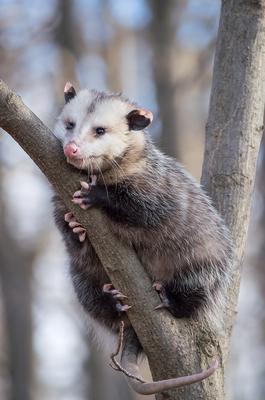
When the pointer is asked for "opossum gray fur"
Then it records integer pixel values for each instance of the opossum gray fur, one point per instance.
(152, 204)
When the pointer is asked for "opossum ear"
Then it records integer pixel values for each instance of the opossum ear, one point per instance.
(69, 92)
(139, 119)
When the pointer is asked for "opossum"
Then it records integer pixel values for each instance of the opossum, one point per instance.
(152, 204)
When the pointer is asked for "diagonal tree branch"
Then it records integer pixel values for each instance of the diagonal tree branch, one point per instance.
(168, 343)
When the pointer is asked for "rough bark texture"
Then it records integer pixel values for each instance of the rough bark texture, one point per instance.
(235, 125)
(175, 347)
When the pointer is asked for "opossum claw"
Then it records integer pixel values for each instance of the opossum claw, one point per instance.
(81, 202)
(117, 295)
(75, 226)
(85, 206)
(162, 294)
(81, 232)
(109, 288)
(82, 236)
(123, 308)
(68, 216)
(77, 194)
(73, 223)
(80, 197)
(120, 296)
(160, 306)
(78, 229)
(93, 180)
(84, 185)
(157, 286)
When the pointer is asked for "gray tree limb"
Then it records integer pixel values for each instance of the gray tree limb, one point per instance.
(235, 124)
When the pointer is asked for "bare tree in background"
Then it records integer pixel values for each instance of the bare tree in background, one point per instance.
(179, 73)
(112, 47)
(68, 37)
(163, 28)
(15, 274)
(259, 260)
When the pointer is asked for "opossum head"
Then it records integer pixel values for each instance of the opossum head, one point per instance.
(98, 130)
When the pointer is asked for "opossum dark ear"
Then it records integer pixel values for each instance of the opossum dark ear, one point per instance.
(69, 92)
(139, 119)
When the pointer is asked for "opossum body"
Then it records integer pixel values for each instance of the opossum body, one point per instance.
(151, 203)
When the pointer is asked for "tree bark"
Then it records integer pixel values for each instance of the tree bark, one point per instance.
(177, 347)
(235, 125)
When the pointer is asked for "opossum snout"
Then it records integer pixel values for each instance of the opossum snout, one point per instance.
(71, 150)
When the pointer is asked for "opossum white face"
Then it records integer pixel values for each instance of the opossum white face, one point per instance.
(98, 130)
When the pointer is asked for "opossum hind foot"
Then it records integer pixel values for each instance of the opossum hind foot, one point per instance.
(117, 295)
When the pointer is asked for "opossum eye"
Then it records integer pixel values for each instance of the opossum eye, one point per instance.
(70, 125)
(100, 131)
(139, 119)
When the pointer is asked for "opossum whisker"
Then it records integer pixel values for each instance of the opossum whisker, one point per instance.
(117, 164)
(122, 171)
(90, 166)
(114, 168)
(107, 192)
(116, 172)
(83, 163)
(88, 169)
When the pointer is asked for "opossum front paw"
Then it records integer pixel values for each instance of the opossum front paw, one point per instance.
(83, 197)
(117, 296)
(75, 226)
(162, 294)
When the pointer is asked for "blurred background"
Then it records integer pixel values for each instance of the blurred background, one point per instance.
(159, 53)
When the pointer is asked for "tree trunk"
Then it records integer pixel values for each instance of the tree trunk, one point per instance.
(67, 36)
(235, 124)
(258, 265)
(163, 39)
(15, 276)
(177, 347)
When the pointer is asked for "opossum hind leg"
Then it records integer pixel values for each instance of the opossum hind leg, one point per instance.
(117, 296)
(182, 302)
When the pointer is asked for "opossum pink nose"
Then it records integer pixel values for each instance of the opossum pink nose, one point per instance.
(71, 150)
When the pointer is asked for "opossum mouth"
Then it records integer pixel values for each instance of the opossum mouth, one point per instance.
(95, 164)
(77, 162)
